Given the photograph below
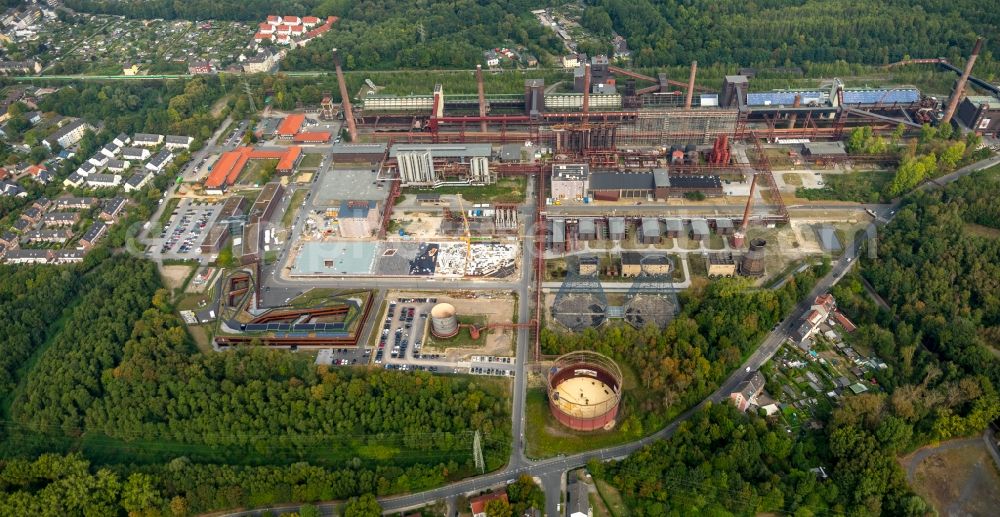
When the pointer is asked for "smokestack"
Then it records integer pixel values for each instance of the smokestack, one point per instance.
(482, 97)
(586, 91)
(956, 95)
(794, 116)
(746, 211)
(690, 92)
(345, 99)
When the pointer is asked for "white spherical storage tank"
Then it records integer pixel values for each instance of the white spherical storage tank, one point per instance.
(444, 320)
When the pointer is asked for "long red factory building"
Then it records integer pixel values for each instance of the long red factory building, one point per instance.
(229, 166)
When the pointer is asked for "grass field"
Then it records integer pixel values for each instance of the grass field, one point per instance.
(611, 498)
(293, 207)
(982, 231)
(463, 339)
(861, 187)
(792, 178)
(506, 190)
(310, 160)
(547, 438)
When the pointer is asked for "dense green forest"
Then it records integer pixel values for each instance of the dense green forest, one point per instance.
(792, 32)
(938, 272)
(681, 365)
(119, 381)
(665, 32)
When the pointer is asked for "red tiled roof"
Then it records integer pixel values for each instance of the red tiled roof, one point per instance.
(228, 168)
(310, 19)
(312, 136)
(261, 36)
(293, 20)
(287, 162)
(291, 124)
(274, 18)
(478, 504)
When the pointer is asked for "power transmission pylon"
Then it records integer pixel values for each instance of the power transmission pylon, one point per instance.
(477, 453)
(246, 88)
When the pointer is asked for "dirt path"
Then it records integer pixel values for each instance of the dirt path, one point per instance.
(958, 477)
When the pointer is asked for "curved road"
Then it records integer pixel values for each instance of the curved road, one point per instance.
(551, 470)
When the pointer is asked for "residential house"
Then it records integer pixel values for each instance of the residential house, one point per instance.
(138, 180)
(9, 240)
(135, 154)
(122, 140)
(28, 256)
(820, 310)
(478, 504)
(67, 135)
(60, 219)
(747, 391)
(20, 67)
(160, 161)
(200, 67)
(119, 165)
(74, 203)
(99, 160)
(9, 189)
(42, 203)
(112, 208)
(86, 169)
(20, 225)
(67, 256)
(103, 180)
(93, 234)
(111, 149)
(53, 236)
(33, 215)
(130, 69)
(147, 140)
(74, 180)
(173, 142)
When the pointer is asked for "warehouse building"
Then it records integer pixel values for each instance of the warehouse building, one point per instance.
(674, 227)
(981, 113)
(721, 264)
(650, 230)
(557, 231)
(699, 229)
(657, 183)
(570, 181)
(634, 264)
(587, 229)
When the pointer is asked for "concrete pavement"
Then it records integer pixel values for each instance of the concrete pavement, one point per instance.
(548, 469)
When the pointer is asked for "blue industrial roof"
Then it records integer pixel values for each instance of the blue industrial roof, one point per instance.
(904, 96)
(784, 98)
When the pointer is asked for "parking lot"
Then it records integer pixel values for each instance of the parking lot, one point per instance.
(343, 356)
(403, 332)
(182, 236)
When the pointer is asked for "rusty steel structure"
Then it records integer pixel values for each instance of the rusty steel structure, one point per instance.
(345, 99)
(956, 95)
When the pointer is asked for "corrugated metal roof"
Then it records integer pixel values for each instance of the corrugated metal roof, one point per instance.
(889, 96)
(621, 181)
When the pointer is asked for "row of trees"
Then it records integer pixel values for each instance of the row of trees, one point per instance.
(682, 364)
(791, 32)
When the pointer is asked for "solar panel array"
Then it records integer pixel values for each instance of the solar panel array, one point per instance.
(902, 96)
(783, 98)
(287, 327)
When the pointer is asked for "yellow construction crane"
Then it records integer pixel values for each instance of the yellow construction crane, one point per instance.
(468, 234)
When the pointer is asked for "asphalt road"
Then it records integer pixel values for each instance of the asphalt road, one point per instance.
(550, 471)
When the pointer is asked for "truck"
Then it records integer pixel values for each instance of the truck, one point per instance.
(871, 212)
